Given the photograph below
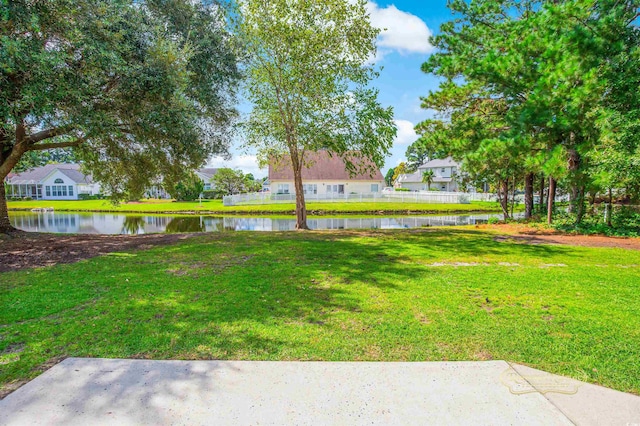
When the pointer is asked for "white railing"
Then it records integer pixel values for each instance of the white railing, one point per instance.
(431, 197)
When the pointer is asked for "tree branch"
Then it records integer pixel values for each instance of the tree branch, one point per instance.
(47, 134)
(43, 146)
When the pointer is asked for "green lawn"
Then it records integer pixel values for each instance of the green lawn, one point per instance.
(215, 206)
(428, 295)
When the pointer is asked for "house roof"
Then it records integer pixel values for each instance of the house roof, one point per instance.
(323, 166)
(417, 178)
(37, 175)
(435, 163)
(410, 178)
(208, 172)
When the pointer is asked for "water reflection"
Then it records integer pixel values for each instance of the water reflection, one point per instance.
(116, 223)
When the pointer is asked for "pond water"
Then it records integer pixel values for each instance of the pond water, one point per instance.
(119, 223)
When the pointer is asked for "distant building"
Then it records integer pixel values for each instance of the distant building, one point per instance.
(51, 182)
(445, 174)
(206, 175)
(324, 175)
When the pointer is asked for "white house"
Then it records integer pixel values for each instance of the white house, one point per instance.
(51, 182)
(206, 175)
(325, 175)
(445, 174)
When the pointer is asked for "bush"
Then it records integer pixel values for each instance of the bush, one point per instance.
(188, 189)
(402, 190)
(211, 195)
(27, 199)
(89, 197)
(625, 222)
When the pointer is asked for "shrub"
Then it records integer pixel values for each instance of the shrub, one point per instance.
(89, 197)
(211, 195)
(625, 222)
(402, 190)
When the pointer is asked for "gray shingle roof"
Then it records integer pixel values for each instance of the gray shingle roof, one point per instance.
(208, 172)
(435, 163)
(39, 173)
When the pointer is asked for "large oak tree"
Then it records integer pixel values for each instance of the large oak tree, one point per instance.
(140, 89)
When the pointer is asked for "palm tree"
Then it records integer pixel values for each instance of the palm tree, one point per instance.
(427, 177)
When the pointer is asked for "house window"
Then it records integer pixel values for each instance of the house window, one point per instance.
(59, 190)
(374, 187)
(58, 181)
(338, 189)
(70, 190)
(442, 170)
(310, 188)
(207, 186)
(283, 188)
(47, 190)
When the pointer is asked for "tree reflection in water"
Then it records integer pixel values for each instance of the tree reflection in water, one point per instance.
(186, 224)
(133, 225)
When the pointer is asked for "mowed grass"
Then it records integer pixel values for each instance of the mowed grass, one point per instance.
(216, 206)
(426, 295)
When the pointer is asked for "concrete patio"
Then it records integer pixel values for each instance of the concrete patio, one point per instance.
(81, 391)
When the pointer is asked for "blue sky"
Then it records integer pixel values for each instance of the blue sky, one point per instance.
(401, 51)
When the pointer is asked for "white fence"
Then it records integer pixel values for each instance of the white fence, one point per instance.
(430, 197)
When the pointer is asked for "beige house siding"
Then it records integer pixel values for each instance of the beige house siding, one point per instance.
(322, 186)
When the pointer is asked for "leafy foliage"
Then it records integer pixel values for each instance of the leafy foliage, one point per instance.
(308, 80)
(538, 86)
(187, 189)
(229, 182)
(140, 89)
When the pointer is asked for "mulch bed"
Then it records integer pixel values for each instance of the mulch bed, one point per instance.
(29, 250)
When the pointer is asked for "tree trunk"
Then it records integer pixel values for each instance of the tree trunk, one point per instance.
(580, 205)
(301, 208)
(551, 200)
(503, 194)
(5, 224)
(573, 164)
(528, 196)
(513, 196)
(609, 211)
(541, 200)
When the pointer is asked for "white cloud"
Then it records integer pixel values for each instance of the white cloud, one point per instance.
(406, 133)
(246, 163)
(401, 31)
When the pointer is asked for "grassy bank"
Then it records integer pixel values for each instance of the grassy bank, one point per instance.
(216, 207)
(419, 296)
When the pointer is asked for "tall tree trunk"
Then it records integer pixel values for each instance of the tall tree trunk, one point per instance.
(503, 194)
(580, 205)
(528, 195)
(551, 200)
(513, 195)
(573, 165)
(541, 200)
(609, 211)
(5, 224)
(301, 208)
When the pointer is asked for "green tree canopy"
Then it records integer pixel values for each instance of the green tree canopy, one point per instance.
(309, 82)
(141, 89)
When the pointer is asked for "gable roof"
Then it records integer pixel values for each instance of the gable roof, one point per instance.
(322, 166)
(207, 172)
(37, 175)
(435, 163)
